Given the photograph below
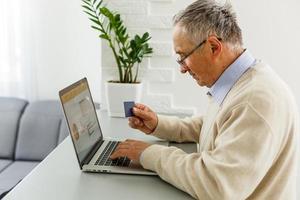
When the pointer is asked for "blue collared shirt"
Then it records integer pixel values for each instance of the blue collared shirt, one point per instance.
(228, 78)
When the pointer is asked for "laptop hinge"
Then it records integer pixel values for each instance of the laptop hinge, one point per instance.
(91, 154)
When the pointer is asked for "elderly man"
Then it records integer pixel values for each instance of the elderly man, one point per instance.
(248, 136)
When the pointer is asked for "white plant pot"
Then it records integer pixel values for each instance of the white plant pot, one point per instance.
(117, 93)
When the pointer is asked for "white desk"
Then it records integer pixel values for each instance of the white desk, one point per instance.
(59, 176)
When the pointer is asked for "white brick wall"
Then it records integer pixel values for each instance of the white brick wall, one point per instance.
(165, 89)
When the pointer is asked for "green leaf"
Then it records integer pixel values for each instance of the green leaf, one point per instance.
(137, 39)
(127, 50)
(99, 4)
(109, 26)
(88, 8)
(123, 32)
(145, 36)
(95, 21)
(132, 44)
(117, 17)
(146, 40)
(97, 28)
(106, 12)
(104, 36)
(93, 16)
(86, 2)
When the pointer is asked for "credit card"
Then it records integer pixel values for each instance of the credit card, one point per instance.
(128, 105)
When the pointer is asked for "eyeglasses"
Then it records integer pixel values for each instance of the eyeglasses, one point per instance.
(180, 61)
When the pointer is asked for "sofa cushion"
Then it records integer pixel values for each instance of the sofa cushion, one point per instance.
(64, 131)
(14, 173)
(11, 110)
(4, 163)
(40, 129)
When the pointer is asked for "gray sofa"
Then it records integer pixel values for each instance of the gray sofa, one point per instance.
(28, 133)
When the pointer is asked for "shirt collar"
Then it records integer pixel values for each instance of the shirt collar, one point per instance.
(228, 78)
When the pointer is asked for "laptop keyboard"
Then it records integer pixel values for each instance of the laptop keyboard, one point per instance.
(104, 159)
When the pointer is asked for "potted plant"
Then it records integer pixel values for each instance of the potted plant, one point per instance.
(128, 54)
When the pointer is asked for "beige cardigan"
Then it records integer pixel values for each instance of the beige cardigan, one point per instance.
(247, 145)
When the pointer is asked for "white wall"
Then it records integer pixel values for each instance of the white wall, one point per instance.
(271, 32)
(60, 46)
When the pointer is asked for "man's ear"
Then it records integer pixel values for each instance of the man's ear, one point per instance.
(215, 45)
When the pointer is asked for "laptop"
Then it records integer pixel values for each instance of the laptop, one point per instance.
(92, 150)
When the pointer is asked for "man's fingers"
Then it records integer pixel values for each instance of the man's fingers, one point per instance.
(130, 141)
(142, 114)
(132, 125)
(136, 121)
(118, 154)
(122, 146)
(140, 106)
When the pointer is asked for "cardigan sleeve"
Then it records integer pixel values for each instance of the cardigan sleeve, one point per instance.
(244, 151)
(178, 130)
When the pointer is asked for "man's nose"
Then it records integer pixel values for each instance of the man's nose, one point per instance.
(184, 69)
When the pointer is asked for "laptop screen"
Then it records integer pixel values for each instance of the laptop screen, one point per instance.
(81, 117)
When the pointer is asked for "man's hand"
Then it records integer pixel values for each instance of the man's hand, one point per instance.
(131, 149)
(144, 120)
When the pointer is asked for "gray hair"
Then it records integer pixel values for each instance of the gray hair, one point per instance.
(207, 17)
